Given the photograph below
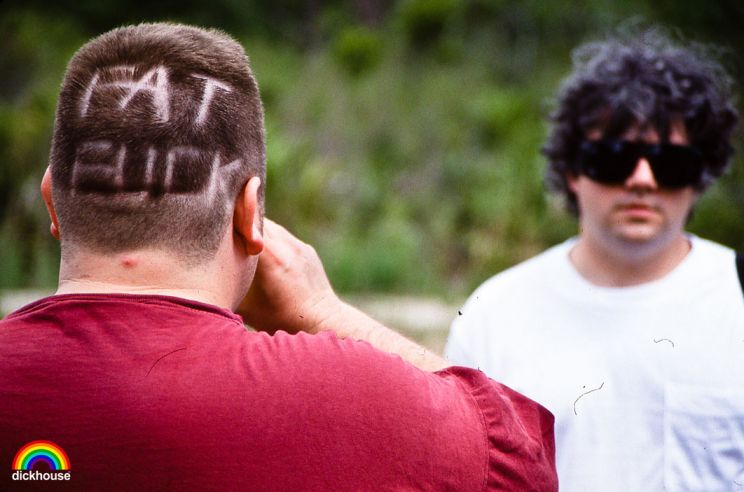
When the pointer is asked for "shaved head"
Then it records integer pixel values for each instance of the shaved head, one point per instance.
(158, 127)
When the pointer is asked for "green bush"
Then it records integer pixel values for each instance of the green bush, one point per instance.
(357, 49)
(424, 21)
(406, 152)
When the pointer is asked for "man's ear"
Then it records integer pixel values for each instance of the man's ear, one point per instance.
(571, 180)
(247, 218)
(46, 194)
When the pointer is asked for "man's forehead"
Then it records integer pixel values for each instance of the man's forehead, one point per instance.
(676, 134)
(676, 131)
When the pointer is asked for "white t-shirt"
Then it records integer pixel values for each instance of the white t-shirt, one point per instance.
(646, 382)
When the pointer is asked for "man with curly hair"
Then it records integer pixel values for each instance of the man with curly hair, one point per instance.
(631, 333)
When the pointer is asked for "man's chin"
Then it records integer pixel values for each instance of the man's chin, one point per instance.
(640, 234)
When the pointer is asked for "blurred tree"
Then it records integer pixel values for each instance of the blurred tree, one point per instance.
(403, 136)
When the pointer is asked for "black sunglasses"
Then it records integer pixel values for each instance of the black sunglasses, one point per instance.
(613, 161)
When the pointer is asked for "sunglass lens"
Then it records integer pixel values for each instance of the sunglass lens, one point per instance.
(675, 166)
(606, 161)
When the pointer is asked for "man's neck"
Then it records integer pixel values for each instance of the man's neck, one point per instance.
(608, 267)
(139, 273)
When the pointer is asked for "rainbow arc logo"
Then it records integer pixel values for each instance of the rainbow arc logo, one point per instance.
(30, 456)
(36, 452)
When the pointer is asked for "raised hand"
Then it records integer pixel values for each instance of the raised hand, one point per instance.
(290, 291)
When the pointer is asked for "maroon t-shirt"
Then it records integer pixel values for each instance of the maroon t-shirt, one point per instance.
(161, 393)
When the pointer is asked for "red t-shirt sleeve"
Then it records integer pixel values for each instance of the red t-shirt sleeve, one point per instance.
(518, 431)
(478, 434)
(456, 427)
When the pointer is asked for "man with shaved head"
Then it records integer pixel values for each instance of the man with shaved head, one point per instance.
(137, 374)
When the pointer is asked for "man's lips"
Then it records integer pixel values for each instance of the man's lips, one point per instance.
(638, 209)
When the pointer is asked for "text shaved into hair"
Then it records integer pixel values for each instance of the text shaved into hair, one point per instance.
(158, 128)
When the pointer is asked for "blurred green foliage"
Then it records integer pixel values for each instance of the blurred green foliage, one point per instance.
(403, 136)
(357, 49)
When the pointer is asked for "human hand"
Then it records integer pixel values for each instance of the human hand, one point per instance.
(290, 290)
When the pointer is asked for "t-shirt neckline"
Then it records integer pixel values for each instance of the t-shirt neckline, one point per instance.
(579, 285)
(127, 298)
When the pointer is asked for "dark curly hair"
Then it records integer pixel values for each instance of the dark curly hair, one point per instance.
(644, 79)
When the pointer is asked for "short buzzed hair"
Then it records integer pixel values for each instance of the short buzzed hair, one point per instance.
(158, 127)
(642, 78)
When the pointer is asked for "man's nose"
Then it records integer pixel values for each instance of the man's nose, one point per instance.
(642, 176)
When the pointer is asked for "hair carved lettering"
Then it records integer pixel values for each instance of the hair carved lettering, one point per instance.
(158, 128)
(210, 85)
(154, 82)
(121, 165)
(107, 167)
